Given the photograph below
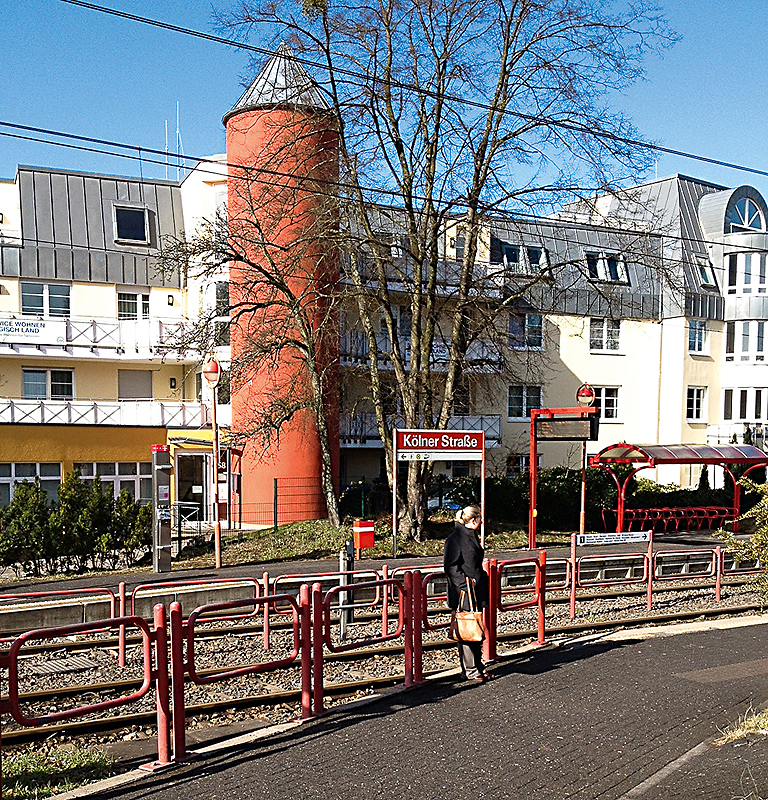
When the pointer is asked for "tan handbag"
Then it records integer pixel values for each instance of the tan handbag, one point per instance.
(467, 626)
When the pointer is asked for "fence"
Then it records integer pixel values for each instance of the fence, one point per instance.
(403, 598)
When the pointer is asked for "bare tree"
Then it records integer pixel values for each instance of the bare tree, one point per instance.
(449, 113)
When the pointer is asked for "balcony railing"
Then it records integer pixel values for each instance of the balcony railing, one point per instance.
(354, 349)
(138, 413)
(124, 336)
(358, 430)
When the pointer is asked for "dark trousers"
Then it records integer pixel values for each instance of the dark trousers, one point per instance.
(471, 658)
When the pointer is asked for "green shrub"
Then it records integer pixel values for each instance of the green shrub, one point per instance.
(84, 527)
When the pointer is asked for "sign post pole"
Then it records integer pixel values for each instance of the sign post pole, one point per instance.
(212, 375)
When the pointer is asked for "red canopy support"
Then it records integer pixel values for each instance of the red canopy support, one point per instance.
(653, 455)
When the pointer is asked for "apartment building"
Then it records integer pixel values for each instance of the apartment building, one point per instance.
(89, 374)
(656, 295)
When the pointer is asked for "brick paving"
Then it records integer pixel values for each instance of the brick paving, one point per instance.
(613, 718)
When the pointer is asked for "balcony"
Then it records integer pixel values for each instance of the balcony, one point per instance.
(126, 338)
(131, 413)
(360, 430)
(354, 350)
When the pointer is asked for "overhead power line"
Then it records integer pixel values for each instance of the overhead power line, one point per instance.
(137, 153)
(411, 87)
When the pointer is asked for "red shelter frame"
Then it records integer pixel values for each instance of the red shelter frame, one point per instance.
(647, 456)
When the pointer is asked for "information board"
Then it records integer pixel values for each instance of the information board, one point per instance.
(623, 537)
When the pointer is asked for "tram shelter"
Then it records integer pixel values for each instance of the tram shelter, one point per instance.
(652, 455)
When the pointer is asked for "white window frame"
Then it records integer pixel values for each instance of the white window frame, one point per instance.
(696, 404)
(139, 299)
(746, 273)
(698, 337)
(47, 371)
(599, 266)
(742, 214)
(530, 326)
(706, 271)
(131, 475)
(532, 397)
(524, 265)
(10, 475)
(607, 401)
(46, 310)
(603, 333)
(116, 208)
(746, 341)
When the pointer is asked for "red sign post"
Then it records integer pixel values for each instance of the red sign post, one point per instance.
(437, 445)
(212, 374)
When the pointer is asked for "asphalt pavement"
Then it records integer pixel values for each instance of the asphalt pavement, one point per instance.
(623, 716)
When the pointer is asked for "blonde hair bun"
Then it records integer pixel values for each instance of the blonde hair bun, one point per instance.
(464, 515)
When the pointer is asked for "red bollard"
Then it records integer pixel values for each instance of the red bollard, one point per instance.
(407, 605)
(541, 591)
(385, 602)
(419, 615)
(178, 670)
(162, 688)
(305, 637)
(121, 629)
(718, 572)
(317, 648)
(265, 612)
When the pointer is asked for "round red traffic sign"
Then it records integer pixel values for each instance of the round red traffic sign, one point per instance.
(585, 395)
(212, 372)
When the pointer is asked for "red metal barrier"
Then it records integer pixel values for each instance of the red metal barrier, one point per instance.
(62, 594)
(184, 633)
(152, 640)
(538, 599)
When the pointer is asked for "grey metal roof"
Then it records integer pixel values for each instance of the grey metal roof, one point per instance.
(282, 81)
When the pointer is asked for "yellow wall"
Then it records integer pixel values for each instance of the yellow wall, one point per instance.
(68, 444)
(95, 379)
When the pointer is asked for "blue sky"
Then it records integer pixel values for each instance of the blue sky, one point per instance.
(80, 71)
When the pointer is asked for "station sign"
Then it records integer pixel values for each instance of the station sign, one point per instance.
(622, 537)
(432, 445)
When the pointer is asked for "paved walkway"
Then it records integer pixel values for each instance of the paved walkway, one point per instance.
(629, 716)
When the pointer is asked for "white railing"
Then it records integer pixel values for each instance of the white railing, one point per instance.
(354, 349)
(138, 413)
(736, 433)
(120, 335)
(358, 429)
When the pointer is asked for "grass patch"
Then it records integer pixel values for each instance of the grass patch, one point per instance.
(34, 774)
(753, 723)
(317, 539)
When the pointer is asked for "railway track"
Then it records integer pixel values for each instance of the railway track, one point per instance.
(351, 674)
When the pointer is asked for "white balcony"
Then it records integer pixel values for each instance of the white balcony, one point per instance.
(124, 338)
(354, 350)
(360, 430)
(131, 413)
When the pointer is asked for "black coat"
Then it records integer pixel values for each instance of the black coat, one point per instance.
(462, 559)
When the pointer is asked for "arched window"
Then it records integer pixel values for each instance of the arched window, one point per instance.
(745, 215)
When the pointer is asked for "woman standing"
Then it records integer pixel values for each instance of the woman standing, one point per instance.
(462, 559)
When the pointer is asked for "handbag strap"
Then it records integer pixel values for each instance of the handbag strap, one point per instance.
(471, 594)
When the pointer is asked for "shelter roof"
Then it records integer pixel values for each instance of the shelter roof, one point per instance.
(653, 454)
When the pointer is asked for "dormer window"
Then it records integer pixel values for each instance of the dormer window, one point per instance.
(606, 266)
(745, 216)
(131, 225)
(706, 273)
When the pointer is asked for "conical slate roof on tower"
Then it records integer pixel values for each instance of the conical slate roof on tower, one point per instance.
(282, 81)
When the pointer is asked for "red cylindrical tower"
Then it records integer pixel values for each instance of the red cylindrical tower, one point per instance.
(282, 147)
